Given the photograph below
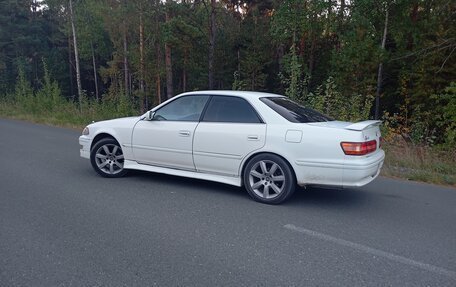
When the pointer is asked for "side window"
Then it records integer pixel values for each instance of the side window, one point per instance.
(230, 110)
(186, 108)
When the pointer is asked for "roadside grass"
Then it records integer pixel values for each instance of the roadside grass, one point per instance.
(404, 160)
(65, 114)
(62, 118)
(420, 163)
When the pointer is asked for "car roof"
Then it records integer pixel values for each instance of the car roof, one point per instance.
(243, 94)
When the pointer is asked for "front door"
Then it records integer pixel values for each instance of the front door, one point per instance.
(167, 140)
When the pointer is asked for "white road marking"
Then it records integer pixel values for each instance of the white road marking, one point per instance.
(373, 251)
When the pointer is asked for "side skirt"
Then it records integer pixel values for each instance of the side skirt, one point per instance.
(129, 164)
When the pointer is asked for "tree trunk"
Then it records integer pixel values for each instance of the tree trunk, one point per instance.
(168, 67)
(169, 72)
(380, 69)
(339, 29)
(342, 9)
(158, 55)
(212, 31)
(252, 85)
(70, 66)
(76, 55)
(157, 75)
(239, 50)
(312, 59)
(144, 103)
(239, 59)
(414, 19)
(95, 76)
(125, 60)
(158, 87)
(328, 23)
(184, 71)
(280, 53)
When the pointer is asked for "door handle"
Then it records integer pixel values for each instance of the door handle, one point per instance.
(252, 137)
(184, 133)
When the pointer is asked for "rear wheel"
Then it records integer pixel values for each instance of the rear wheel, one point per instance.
(107, 158)
(269, 179)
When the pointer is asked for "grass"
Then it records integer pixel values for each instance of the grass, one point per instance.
(60, 119)
(64, 113)
(404, 160)
(420, 163)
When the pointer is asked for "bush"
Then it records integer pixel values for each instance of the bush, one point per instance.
(447, 121)
(330, 101)
(47, 105)
(424, 126)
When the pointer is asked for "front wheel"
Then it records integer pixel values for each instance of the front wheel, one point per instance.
(107, 158)
(269, 179)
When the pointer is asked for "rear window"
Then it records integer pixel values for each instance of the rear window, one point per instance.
(230, 110)
(294, 112)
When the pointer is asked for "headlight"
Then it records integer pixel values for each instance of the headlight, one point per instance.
(85, 131)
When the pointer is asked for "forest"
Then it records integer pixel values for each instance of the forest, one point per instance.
(84, 60)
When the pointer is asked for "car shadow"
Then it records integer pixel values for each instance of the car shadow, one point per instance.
(302, 197)
(184, 182)
(346, 197)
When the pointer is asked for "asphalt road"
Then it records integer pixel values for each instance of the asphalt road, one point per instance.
(63, 225)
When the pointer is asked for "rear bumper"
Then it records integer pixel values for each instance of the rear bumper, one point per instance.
(85, 142)
(346, 172)
(361, 171)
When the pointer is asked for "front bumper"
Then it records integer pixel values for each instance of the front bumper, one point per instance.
(85, 142)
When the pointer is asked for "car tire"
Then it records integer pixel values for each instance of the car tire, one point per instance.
(107, 158)
(269, 179)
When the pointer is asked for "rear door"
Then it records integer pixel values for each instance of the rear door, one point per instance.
(230, 130)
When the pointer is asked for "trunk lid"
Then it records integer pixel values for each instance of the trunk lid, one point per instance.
(359, 126)
(370, 130)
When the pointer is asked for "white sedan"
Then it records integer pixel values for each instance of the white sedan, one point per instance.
(264, 142)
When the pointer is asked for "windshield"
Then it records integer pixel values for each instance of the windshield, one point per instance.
(294, 112)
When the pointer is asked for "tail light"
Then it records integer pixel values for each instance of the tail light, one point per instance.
(363, 148)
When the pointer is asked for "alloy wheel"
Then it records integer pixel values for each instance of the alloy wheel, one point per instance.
(109, 159)
(267, 179)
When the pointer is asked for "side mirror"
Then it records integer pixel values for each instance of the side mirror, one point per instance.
(150, 115)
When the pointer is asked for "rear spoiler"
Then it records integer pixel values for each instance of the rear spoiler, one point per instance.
(359, 126)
